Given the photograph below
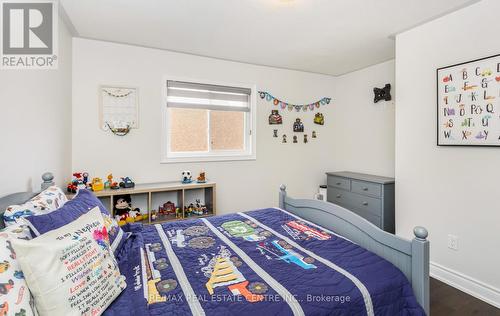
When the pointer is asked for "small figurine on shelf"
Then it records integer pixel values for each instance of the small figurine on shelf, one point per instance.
(188, 210)
(178, 213)
(85, 177)
(167, 208)
(295, 139)
(284, 139)
(153, 215)
(201, 178)
(314, 134)
(110, 184)
(186, 177)
(127, 183)
(305, 138)
(124, 212)
(107, 184)
(76, 183)
(97, 185)
(200, 208)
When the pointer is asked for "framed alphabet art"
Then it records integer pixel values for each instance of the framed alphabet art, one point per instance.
(468, 103)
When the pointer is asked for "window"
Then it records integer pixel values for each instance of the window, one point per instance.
(208, 122)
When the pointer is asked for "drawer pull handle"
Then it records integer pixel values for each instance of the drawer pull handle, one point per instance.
(365, 203)
(338, 183)
(339, 196)
(365, 189)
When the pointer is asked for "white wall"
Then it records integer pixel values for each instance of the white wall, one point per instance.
(241, 185)
(448, 190)
(35, 122)
(363, 131)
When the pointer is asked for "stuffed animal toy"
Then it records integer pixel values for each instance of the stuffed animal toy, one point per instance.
(186, 176)
(124, 212)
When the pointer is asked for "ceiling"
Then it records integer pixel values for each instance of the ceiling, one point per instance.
(323, 36)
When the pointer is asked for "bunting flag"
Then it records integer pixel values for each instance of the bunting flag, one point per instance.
(284, 105)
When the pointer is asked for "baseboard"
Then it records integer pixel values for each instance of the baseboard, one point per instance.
(466, 284)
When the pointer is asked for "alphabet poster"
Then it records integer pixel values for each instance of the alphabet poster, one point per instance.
(469, 103)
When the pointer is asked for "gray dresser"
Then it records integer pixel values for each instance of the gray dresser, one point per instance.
(369, 196)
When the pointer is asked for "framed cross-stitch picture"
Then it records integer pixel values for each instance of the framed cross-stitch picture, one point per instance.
(468, 103)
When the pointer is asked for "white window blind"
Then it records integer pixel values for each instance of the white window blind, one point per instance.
(206, 96)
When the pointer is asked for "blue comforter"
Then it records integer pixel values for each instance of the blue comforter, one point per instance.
(265, 262)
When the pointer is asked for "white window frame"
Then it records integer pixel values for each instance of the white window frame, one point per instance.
(248, 153)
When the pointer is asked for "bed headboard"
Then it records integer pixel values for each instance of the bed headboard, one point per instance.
(21, 197)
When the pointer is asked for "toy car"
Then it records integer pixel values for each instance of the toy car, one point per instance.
(127, 183)
(97, 184)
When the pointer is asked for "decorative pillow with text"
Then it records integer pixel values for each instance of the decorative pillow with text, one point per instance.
(81, 203)
(71, 270)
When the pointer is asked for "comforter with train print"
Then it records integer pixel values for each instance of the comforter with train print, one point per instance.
(264, 262)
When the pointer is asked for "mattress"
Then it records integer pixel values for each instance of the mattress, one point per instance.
(262, 262)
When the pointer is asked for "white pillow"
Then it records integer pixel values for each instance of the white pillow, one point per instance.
(71, 270)
(15, 295)
(47, 201)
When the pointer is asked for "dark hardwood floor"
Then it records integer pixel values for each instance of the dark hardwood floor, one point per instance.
(448, 301)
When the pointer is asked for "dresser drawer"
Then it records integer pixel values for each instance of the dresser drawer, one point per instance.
(375, 220)
(337, 196)
(354, 201)
(366, 188)
(339, 182)
(366, 203)
(355, 204)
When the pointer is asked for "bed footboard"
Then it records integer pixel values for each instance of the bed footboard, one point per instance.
(410, 256)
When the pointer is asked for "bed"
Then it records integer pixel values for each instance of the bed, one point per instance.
(305, 257)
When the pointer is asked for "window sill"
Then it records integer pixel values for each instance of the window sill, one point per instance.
(207, 159)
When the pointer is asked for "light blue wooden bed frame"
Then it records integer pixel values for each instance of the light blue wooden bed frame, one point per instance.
(411, 257)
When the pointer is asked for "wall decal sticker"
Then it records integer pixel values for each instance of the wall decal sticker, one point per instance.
(382, 93)
(285, 105)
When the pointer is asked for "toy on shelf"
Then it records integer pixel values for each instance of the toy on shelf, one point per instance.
(77, 182)
(127, 183)
(201, 178)
(178, 213)
(85, 177)
(167, 208)
(200, 209)
(124, 212)
(110, 184)
(107, 184)
(196, 208)
(97, 185)
(186, 176)
(153, 215)
(188, 210)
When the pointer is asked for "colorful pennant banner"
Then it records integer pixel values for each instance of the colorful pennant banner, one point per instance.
(283, 105)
